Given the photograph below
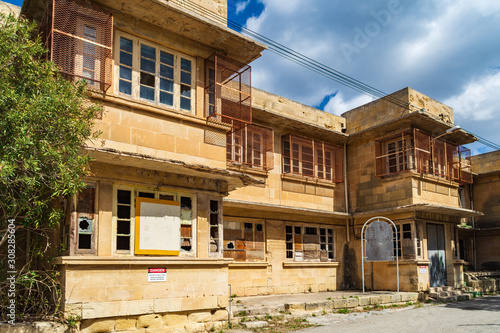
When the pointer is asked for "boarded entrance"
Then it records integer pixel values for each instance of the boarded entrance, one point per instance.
(436, 252)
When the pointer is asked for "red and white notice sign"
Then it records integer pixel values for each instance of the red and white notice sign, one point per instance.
(157, 274)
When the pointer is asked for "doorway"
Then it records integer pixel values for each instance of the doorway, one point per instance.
(436, 252)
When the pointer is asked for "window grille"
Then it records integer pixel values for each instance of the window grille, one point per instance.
(414, 150)
(310, 158)
(228, 91)
(78, 35)
(251, 145)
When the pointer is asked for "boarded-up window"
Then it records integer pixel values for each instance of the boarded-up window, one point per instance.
(244, 241)
(309, 243)
(150, 222)
(409, 242)
(157, 227)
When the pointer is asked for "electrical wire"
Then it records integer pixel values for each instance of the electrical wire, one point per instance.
(307, 62)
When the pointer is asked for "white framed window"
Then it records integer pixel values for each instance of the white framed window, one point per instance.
(154, 74)
(215, 221)
(124, 218)
(409, 240)
(309, 243)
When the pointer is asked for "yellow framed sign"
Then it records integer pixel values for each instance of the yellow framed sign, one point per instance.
(157, 227)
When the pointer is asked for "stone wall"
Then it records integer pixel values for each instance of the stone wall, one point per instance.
(383, 110)
(114, 287)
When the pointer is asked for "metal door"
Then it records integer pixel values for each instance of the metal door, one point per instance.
(436, 252)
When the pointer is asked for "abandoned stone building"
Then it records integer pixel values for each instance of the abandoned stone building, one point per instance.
(200, 181)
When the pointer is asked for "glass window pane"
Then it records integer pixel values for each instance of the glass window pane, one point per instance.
(123, 228)
(89, 48)
(167, 85)
(166, 58)
(126, 44)
(146, 195)
(126, 58)
(88, 74)
(123, 212)
(89, 33)
(185, 91)
(185, 104)
(123, 197)
(125, 87)
(147, 93)
(123, 243)
(186, 78)
(186, 203)
(148, 52)
(88, 62)
(147, 65)
(166, 98)
(167, 72)
(185, 65)
(126, 73)
(147, 79)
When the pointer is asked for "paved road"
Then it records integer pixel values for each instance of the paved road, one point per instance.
(478, 315)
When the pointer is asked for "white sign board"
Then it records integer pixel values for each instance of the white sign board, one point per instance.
(157, 227)
(157, 274)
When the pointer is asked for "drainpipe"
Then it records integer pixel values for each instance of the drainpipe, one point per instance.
(345, 192)
(473, 219)
(229, 310)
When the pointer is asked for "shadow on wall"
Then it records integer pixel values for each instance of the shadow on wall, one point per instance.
(350, 268)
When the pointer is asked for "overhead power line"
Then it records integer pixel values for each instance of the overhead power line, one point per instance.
(307, 62)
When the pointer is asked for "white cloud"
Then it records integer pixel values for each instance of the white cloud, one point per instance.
(479, 99)
(442, 48)
(241, 6)
(338, 105)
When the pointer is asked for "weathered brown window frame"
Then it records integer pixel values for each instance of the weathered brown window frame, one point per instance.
(308, 158)
(251, 145)
(419, 152)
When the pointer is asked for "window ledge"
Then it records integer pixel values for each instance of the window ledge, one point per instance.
(247, 169)
(165, 111)
(242, 264)
(309, 180)
(300, 264)
(411, 262)
(163, 261)
(435, 179)
(422, 176)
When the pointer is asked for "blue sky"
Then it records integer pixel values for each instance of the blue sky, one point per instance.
(15, 2)
(446, 49)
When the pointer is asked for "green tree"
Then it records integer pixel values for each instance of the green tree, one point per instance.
(44, 122)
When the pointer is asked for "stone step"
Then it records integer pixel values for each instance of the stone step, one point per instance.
(448, 294)
(255, 324)
(241, 310)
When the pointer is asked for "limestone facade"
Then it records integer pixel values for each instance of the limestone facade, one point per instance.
(186, 198)
(486, 197)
